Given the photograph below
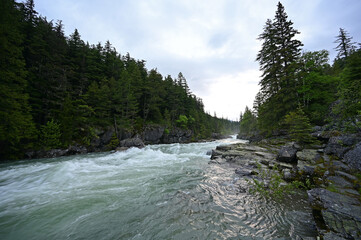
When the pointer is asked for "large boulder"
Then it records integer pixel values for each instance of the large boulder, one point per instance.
(153, 134)
(339, 145)
(287, 154)
(132, 142)
(353, 157)
(177, 135)
(340, 214)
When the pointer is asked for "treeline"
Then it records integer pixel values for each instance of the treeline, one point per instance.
(298, 84)
(57, 90)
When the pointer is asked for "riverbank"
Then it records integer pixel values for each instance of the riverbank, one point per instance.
(110, 139)
(331, 172)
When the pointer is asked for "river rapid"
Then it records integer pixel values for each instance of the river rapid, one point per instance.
(158, 192)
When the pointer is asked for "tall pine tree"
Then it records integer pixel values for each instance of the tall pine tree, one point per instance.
(278, 63)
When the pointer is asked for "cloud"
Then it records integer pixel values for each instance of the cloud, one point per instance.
(213, 43)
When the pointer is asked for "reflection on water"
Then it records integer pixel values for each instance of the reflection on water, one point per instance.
(159, 192)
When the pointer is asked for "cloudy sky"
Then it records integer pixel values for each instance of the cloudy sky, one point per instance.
(212, 42)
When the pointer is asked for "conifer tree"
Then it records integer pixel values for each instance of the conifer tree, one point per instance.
(345, 47)
(278, 63)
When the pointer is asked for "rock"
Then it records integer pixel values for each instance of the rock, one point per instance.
(288, 175)
(132, 142)
(244, 172)
(339, 182)
(218, 136)
(353, 157)
(287, 154)
(341, 214)
(347, 176)
(332, 236)
(308, 155)
(121, 149)
(339, 145)
(153, 134)
(177, 135)
(216, 153)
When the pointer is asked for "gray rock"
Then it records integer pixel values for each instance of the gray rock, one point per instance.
(287, 154)
(132, 142)
(353, 157)
(339, 182)
(308, 155)
(347, 176)
(244, 172)
(153, 134)
(339, 145)
(341, 214)
(288, 175)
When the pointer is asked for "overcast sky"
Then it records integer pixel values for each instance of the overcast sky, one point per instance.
(212, 42)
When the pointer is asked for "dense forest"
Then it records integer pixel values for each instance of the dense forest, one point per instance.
(57, 90)
(300, 89)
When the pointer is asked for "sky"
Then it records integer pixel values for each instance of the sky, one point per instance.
(212, 42)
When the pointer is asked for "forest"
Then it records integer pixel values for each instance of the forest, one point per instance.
(300, 89)
(59, 90)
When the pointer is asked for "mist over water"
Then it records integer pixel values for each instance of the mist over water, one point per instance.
(158, 192)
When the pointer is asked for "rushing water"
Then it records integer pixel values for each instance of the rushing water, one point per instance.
(158, 192)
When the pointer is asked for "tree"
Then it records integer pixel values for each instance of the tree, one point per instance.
(345, 47)
(299, 126)
(278, 62)
(16, 124)
(248, 122)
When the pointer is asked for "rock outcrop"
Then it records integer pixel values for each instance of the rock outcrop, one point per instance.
(333, 169)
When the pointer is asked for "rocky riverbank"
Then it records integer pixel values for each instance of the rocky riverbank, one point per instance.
(151, 134)
(331, 172)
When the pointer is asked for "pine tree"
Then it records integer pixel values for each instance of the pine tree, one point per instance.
(278, 62)
(299, 126)
(345, 47)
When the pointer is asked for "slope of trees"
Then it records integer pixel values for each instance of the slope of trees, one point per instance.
(66, 89)
(294, 82)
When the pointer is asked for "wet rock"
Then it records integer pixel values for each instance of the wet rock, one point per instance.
(121, 149)
(287, 154)
(353, 157)
(132, 142)
(332, 236)
(244, 172)
(341, 214)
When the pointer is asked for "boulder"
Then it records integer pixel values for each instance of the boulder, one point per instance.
(132, 142)
(341, 214)
(308, 155)
(339, 145)
(353, 157)
(287, 154)
(153, 134)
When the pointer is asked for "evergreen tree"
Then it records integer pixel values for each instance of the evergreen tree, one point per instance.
(345, 47)
(278, 62)
(299, 126)
(16, 124)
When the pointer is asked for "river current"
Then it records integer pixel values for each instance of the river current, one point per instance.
(158, 192)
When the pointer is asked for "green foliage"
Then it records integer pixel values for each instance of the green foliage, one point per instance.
(271, 185)
(182, 121)
(50, 135)
(46, 75)
(248, 122)
(114, 142)
(278, 63)
(299, 126)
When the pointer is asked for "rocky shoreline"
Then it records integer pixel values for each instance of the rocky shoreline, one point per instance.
(152, 134)
(332, 171)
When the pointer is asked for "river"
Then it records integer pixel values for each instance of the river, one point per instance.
(158, 192)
